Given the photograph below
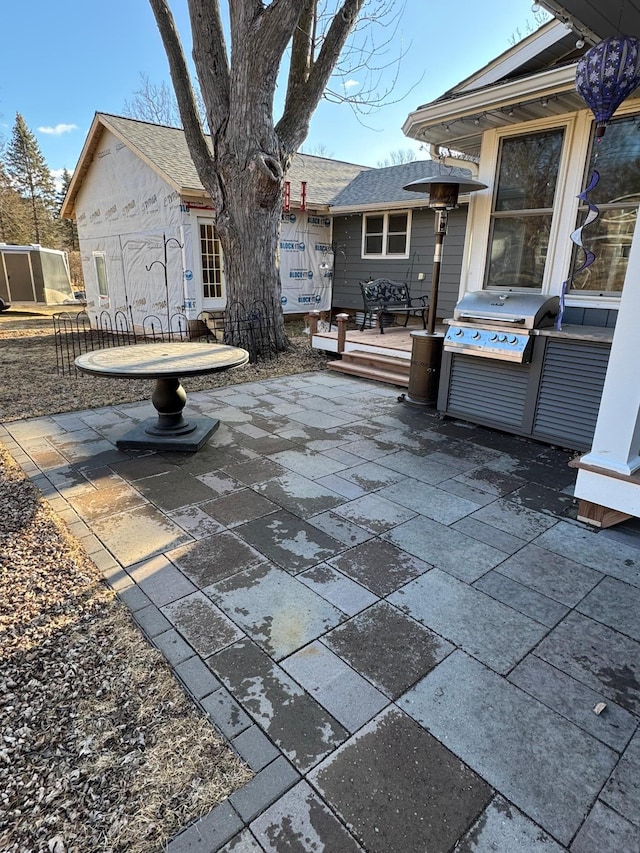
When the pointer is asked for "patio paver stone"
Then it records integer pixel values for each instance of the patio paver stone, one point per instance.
(395, 787)
(519, 746)
(387, 647)
(278, 612)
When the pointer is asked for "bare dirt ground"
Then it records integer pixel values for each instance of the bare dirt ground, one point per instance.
(80, 769)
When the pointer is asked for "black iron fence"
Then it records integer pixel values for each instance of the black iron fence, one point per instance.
(252, 329)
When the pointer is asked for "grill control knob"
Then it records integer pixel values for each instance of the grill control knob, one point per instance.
(493, 338)
(502, 338)
(475, 336)
(459, 333)
(513, 339)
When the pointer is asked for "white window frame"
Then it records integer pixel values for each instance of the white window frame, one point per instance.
(521, 214)
(475, 257)
(103, 298)
(385, 214)
(605, 299)
(217, 253)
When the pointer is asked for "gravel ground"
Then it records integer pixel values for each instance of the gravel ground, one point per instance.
(80, 769)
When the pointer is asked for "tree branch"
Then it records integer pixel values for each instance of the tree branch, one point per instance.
(264, 30)
(294, 124)
(302, 50)
(194, 133)
(211, 61)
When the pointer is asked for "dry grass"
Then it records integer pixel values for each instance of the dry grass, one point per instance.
(32, 387)
(101, 749)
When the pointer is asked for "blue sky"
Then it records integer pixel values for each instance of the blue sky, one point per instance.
(62, 61)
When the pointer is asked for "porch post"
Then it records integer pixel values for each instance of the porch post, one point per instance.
(312, 321)
(342, 330)
(605, 475)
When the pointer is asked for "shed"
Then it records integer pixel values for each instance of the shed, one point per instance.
(34, 274)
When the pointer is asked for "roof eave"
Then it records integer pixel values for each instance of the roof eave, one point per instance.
(371, 207)
(510, 60)
(495, 98)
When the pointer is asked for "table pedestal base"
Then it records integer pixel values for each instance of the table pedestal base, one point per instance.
(145, 436)
(169, 431)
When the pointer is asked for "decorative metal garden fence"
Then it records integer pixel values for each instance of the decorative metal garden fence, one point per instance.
(252, 329)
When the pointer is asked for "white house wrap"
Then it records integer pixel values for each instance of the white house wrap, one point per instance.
(135, 194)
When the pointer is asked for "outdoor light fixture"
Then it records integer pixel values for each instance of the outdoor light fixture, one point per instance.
(443, 192)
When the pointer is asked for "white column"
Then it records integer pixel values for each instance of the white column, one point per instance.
(616, 441)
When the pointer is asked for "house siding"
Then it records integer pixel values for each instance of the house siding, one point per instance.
(350, 268)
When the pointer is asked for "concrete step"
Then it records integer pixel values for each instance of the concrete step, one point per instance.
(383, 368)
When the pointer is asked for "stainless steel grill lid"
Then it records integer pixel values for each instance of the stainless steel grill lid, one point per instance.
(523, 310)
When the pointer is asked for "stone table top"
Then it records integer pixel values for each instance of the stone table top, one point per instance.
(149, 361)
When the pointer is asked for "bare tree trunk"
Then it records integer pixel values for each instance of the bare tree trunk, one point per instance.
(249, 244)
(244, 168)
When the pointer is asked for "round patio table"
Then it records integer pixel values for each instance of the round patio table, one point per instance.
(166, 363)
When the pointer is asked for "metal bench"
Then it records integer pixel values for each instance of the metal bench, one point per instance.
(385, 299)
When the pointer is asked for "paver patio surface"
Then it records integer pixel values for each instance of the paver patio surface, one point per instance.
(394, 618)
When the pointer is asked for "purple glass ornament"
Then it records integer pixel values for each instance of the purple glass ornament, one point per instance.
(606, 75)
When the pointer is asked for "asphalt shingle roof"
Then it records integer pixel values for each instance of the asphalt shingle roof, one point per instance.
(166, 149)
(384, 186)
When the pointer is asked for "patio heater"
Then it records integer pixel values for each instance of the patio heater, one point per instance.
(426, 352)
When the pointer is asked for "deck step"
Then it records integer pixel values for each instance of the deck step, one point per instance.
(368, 365)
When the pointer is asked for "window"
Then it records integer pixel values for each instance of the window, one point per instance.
(211, 259)
(523, 209)
(386, 235)
(617, 194)
(101, 274)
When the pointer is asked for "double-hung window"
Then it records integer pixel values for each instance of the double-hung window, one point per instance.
(386, 235)
(523, 209)
(617, 159)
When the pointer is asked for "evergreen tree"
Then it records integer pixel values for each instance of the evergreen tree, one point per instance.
(14, 222)
(31, 178)
(67, 230)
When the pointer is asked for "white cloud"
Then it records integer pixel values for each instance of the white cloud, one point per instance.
(349, 84)
(56, 174)
(58, 129)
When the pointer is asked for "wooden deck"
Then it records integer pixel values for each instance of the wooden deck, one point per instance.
(396, 340)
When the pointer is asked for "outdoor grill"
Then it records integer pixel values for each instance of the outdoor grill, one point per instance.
(499, 325)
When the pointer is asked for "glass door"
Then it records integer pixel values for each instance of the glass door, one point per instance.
(211, 267)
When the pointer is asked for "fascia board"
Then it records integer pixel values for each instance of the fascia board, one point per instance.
(511, 60)
(375, 207)
(506, 94)
(67, 209)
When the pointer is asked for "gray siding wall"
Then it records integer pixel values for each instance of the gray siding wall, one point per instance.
(350, 268)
